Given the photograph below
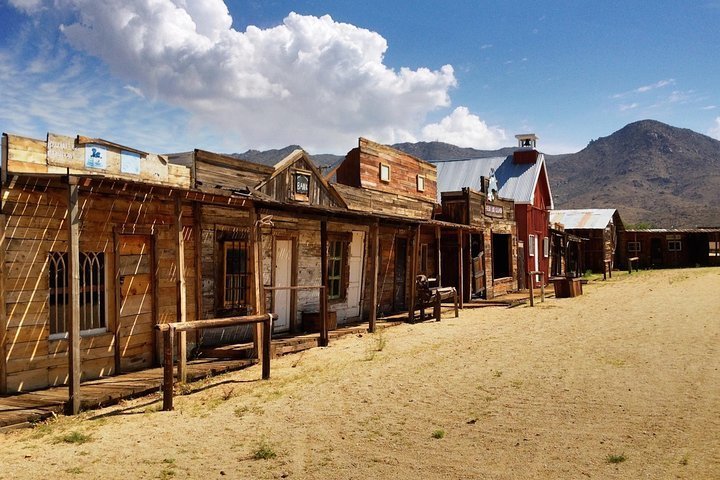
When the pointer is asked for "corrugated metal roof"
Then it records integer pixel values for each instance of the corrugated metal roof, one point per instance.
(591, 218)
(515, 181)
(675, 230)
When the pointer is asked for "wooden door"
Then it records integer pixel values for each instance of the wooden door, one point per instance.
(656, 254)
(135, 282)
(355, 264)
(399, 302)
(282, 305)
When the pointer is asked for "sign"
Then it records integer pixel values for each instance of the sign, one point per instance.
(60, 149)
(95, 156)
(494, 210)
(302, 183)
(674, 236)
(129, 162)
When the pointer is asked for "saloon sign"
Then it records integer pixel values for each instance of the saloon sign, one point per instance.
(493, 210)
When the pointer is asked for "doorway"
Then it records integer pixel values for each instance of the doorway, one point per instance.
(399, 302)
(135, 282)
(282, 274)
(656, 255)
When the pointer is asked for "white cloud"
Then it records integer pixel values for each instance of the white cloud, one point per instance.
(465, 129)
(310, 80)
(709, 107)
(629, 106)
(714, 131)
(29, 6)
(646, 88)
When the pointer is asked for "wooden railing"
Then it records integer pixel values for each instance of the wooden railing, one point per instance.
(170, 330)
(542, 287)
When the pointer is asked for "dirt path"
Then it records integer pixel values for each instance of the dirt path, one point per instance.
(631, 370)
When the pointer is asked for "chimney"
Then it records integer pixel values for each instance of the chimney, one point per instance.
(526, 152)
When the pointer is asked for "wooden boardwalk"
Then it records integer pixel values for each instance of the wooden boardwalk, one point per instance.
(24, 409)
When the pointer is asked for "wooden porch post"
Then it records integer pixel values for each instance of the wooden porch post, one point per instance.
(375, 256)
(181, 294)
(323, 291)
(197, 231)
(168, 377)
(461, 273)
(438, 257)
(259, 339)
(74, 371)
(413, 272)
(3, 313)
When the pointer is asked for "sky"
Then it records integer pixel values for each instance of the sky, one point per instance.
(173, 75)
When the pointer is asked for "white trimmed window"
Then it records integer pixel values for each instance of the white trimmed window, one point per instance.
(384, 172)
(674, 245)
(633, 247)
(714, 249)
(531, 245)
(546, 247)
(421, 183)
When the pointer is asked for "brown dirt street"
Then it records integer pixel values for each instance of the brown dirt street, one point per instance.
(630, 370)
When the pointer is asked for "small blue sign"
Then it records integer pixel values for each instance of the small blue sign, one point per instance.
(95, 156)
(129, 163)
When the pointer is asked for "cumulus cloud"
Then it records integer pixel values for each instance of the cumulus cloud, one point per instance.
(465, 129)
(310, 80)
(714, 131)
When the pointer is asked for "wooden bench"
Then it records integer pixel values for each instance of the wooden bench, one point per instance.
(630, 264)
(434, 296)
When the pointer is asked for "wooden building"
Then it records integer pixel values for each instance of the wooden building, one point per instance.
(521, 177)
(491, 266)
(99, 244)
(399, 192)
(566, 252)
(599, 227)
(671, 247)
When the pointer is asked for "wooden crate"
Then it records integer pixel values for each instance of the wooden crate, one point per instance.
(311, 321)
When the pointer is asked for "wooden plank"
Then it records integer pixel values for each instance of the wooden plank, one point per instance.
(461, 275)
(324, 340)
(374, 272)
(3, 313)
(168, 377)
(438, 259)
(74, 368)
(413, 272)
(181, 293)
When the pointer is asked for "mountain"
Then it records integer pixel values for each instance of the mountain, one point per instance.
(651, 172)
(444, 151)
(271, 157)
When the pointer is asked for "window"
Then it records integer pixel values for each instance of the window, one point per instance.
(546, 247)
(633, 247)
(235, 274)
(92, 292)
(302, 183)
(335, 269)
(424, 258)
(674, 245)
(421, 183)
(531, 245)
(384, 172)
(714, 249)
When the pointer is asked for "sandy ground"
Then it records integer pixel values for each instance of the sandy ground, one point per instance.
(630, 370)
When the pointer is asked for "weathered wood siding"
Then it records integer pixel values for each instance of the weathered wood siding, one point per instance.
(280, 187)
(391, 204)
(214, 172)
(35, 226)
(388, 283)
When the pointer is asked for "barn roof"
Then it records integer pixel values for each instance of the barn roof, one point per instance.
(516, 181)
(590, 218)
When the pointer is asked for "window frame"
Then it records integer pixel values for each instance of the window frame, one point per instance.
(676, 245)
(546, 247)
(420, 183)
(299, 195)
(243, 297)
(634, 250)
(59, 316)
(424, 260)
(531, 244)
(343, 278)
(385, 167)
(713, 248)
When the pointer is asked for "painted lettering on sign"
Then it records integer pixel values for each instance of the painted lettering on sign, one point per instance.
(493, 210)
(95, 156)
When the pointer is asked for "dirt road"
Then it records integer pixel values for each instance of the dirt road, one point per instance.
(623, 382)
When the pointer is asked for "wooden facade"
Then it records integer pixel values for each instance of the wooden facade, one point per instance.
(122, 219)
(670, 248)
(599, 228)
(490, 266)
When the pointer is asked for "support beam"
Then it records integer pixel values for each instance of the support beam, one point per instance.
(258, 292)
(461, 269)
(197, 234)
(3, 312)
(438, 257)
(118, 302)
(415, 253)
(168, 377)
(324, 340)
(74, 370)
(374, 271)
(181, 294)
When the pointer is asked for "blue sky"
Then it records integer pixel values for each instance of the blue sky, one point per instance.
(172, 75)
